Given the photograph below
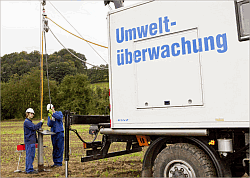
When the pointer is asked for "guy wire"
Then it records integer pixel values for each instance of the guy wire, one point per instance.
(75, 55)
(77, 31)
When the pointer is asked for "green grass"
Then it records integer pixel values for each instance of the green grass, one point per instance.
(138, 154)
(106, 173)
(57, 175)
(19, 131)
(101, 85)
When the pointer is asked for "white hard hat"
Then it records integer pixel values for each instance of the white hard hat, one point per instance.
(30, 110)
(50, 106)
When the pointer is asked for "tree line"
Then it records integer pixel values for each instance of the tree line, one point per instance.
(60, 64)
(69, 81)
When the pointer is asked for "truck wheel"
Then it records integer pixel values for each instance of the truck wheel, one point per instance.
(183, 160)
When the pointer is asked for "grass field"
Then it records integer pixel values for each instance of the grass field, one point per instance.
(12, 135)
(101, 85)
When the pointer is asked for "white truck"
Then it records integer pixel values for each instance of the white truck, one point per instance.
(179, 83)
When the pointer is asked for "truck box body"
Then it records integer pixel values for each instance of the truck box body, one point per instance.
(178, 64)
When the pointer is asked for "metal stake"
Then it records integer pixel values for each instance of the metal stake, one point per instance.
(66, 140)
(40, 151)
(66, 168)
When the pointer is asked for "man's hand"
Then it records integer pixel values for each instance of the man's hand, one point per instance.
(50, 113)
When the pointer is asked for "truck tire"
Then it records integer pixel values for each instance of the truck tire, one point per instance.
(183, 160)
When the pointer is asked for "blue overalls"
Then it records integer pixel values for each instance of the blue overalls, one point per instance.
(30, 141)
(58, 138)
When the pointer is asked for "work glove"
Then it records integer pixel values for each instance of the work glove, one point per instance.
(50, 115)
(50, 111)
(42, 120)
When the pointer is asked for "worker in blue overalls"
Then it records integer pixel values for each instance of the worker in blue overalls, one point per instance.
(55, 121)
(30, 140)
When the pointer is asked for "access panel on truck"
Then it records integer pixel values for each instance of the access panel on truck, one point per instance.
(168, 83)
(176, 64)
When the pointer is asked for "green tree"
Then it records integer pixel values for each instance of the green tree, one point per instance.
(23, 92)
(9, 98)
(75, 94)
(100, 101)
(21, 67)
(18, 63)
(58, 70)
(98, 74)
(60, 64)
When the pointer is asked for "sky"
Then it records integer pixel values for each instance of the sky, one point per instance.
(21, 27)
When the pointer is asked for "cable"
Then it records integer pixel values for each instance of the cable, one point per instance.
(42, 80)
(95, 137)
(77, 32)
(75, 55)
(75, 131)
(41, 57)
(47, 67)
(76, 35)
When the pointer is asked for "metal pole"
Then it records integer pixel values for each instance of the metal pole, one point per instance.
(66, 140)
(66, 168)
(40, 151)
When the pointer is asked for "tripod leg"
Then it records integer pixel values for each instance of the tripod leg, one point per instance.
(18, 163)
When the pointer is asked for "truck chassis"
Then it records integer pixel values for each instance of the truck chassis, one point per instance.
(215, 161)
